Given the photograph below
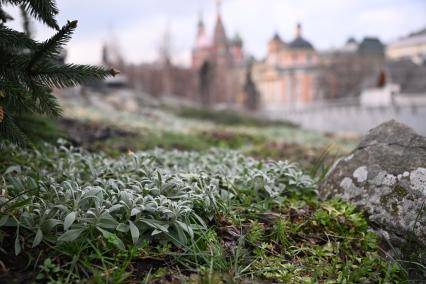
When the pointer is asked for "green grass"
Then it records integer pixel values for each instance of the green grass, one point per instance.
(194, 141)
(195, 217)
(229, 118)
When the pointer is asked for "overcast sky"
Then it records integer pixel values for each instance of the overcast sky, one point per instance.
(139, 25)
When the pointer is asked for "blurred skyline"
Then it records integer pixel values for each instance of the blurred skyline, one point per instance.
(138, 26)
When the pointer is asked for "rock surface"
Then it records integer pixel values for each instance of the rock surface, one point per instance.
(386, 176)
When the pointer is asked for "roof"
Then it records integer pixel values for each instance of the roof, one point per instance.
(276, 37)
(371, 46)
(237, 40)
(300, 43)
(417, 33)
(351, 40)
(408, 75)
(415, 38)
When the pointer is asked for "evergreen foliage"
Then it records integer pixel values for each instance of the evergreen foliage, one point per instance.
(29, 70)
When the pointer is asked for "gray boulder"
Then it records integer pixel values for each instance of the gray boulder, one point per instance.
(386, 177)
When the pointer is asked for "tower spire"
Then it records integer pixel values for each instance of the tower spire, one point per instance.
(219, 36)
(299, 30)
(218, 6)
(200, 21)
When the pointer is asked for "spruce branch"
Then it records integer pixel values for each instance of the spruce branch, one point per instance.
(43, 10)
(26, 22)
(15, 40)
(10, 131)
(69, 75)
(51, 47)
(44, 101)
(19, 98)
(29, 71)
(4, 17)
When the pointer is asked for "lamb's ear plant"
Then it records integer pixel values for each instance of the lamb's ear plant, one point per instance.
(218, 213)
(30, 70)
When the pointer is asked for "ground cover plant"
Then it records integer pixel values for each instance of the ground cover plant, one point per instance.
(169, 217)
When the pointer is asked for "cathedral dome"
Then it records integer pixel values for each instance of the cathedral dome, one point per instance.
(237, 41)
(299, 42)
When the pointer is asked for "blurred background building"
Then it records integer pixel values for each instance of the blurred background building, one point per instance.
(412, 47)
(287, 76)
(292, 80)
(216, 61)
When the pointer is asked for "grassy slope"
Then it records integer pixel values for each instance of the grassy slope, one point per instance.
(201, 130)
(256, 230)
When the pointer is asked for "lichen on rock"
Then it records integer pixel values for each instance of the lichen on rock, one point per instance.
(386, 177)
(361, 174)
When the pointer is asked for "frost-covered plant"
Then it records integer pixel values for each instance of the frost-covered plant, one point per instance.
(142, 196)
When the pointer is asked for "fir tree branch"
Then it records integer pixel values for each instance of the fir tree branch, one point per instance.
(16, 98)
(42, 10)
(10, 131)
(15, 40)
(68, 75)
(4, 17)
(45, 102)
(28, 71)
(51, 47)
(26, 22)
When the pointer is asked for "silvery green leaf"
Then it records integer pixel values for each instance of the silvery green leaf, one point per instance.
(91, 193)
(125, 197)
(107, 221)
(181, 235)
(70, 235)
(113, 238)
(38, 238)
(156, 232)
(18, 247)
(123, 228)
(13, 169)
(135, 211)
(52, 223)
(115, 207)
(186, 228)
(134, 231)
(154, 224)
(105, 233)
(69, 220)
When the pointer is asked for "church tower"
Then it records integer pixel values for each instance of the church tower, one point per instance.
(215, 61)
(220, 40)
(202, 48)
